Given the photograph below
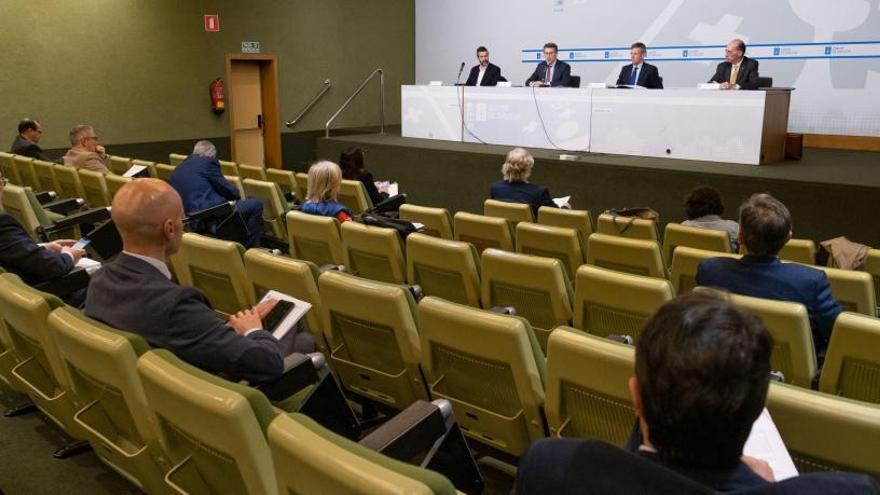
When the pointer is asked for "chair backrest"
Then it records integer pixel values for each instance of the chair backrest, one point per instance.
(119, 164)
(114, 183)
(151, 167)
(274, 206)
(255, 172)
(311, 459)
(537, 287)
(636, 256)
(27, 176)
(315, 238)
(16, 203)
(45, 175)
(552, 242)
(483, 232)
(852, 289)
(69, 184)
(685, 261)
(268, 271)
(237, 182)
(587, 391)
(872, 266)
(852, 364)
(302, 185)
(610, 302)
(228, 168)
(216, 268)
(799, 250)
(164, 171)
(513, 212)
(677, 234)
(353, 194)
(437, 221)
(285, 180)
(490, 367)
(214, 430)
(371, 328)
(444, 268)
(765, 82)
(95, 188)
(374, 252)
(574, 82)
(175, 158)
(630, 227)
(580, 220)
(7, 166)
(826, 433)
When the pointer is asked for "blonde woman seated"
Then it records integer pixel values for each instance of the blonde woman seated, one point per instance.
(325, 179)
(515, 186)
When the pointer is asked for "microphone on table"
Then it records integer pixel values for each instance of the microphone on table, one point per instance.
(460, 70)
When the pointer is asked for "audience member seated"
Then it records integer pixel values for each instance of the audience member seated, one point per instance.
(201, 184)
(136, 293)
(27, 143)
(701, 378)
(764, 228)
(351, 161)
(704, 208)
(515, 186)
(86, 152)
(325, 179)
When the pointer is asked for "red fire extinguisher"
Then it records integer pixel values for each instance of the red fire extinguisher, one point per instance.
(218, 99)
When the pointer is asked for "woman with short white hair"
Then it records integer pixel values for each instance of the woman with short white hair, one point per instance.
(515, 186)
(325, 180)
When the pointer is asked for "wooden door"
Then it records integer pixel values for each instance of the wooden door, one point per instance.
(254, 126)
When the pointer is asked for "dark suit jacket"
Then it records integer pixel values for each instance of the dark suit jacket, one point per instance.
(20, 255)
(561, 74)
(521, 192)
(132, 295)
(490, 78)
(649, 76)
(369, 183)
(201, 184)
(747, 77)
(23, 147)
(769, 278)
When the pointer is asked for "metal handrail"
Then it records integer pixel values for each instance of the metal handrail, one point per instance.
(324, 88)
(360, 88)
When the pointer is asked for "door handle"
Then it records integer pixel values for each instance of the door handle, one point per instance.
(260, 120)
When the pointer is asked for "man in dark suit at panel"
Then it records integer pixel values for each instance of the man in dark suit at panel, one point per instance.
(552, 71)
(485, 73)
(738, 71)
(28, 139)
(639, 72)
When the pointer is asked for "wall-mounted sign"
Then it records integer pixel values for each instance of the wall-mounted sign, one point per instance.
(212, 23)
(250, 47)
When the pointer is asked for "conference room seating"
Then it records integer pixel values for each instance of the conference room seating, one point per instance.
(353, 195)
(799, 250)
(114, 183)
(285, 179)
(636, 256)
(765, 82)
(8, 359)
(587, 391)
(826, 433)
(371, 329)
(151, 166)
(45, 175)
(164, 171)
(483, 232)
(175, 158)
(237, 182)
(69, 185)
(872, 266)
(536, 287)
(580, 220)
(228, 168)
(255, 172)
(490, 367)
(853, 290)
(551, 242)
(315, 238)
(302, 185)
(275, 207)
(373, 252)
(677, 234)
(513, 212)
(444, 268)
(216, 268)
(7, 166)
(629, 227)
(607, 302)
(213, 430)
(94, 187)
(437, 221)
(119, 164)
(852, 363)
(685, 261)
(20, 203)
(111, 407)
(25, 168)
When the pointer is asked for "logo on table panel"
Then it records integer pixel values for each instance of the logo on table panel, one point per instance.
(538, 56)
(607, 54)
(776, 51)
(570, 55)
(684, 53)
(827, 50)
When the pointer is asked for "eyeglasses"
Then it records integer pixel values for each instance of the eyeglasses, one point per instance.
(3, 181)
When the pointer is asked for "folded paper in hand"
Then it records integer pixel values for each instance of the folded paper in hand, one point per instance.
(765, 443)
(134, 170)
(561, 201)
(300, 308)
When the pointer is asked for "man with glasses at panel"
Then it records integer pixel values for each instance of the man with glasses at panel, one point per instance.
(85, 151)
(27, 142)
(551, 72)
(737, 71)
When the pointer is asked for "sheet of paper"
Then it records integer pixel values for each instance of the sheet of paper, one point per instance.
(134, 170)
(765, 443)
(709, 86)
(90, 265)
(300, 308)
(393, 189)
(561, 201)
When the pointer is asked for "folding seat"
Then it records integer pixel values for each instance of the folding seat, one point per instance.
(587, 387)
(799, 250)
(852, 364)
(228, 168)
(437, 221)
(114, 183)
(237, 182)
(551, 242)
(371, 328)
(315, 238)
(216, 268)
(151, 167)
(483, 232)
(374, 252)
(444, 268)
(490, 367)
(872, 266)
(69, 185)
(513, 212)
(285, 179)
(175, 158)
(677, 234)
(25, 168)
(302, 185)
(274, 207)
(45, 174)
(95, 188)
(580, 220)
(629, 227)
(608, 302)
(16, 203)
(8, 168)
(8, 358)
(685, 261)
(636, 256)
(164, 171)
(353, 194)
(536, 287)
(255, 172)
(852, 289)
(119, 164)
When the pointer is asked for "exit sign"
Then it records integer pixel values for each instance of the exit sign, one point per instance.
(212, 23)
(250, 47)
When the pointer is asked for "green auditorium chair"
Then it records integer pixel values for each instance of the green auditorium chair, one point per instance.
(302, 185)
(151, 167)
(677, 234)
(685, 261)
(444, 268)
(854, 290)
(255, 172)
(872, 266)
(69, 185)
(483, 232)
(8, 358)
(175, 158)
(552, 242)
(513, 212)
(94, 188)
(237, 182)
(228, 168)
(315, 238)
(354, 195)
(285, 179)
(119, 164)
(372, 252)
(45, 174)
(799, 250)
(437, 221)
(636, 256)
(114, 183)
(629, 227)
(8, 168)
(25, 168)
(852, 363)
(164, 171)
(580, 220)
(274, 207)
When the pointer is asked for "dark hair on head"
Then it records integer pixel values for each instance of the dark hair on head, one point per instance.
(703, 367)
(765, 224)
(639, 44)
(742, 46)
(27, 125)
(482, 49)
(702, 201)
(551, 45)
(351, 161)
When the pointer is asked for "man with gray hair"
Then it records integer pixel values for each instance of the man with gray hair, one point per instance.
(201, 185)
(86, 152)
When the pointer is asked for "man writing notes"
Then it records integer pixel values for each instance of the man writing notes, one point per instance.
(486, 73)
(738, 71)
(639, 72)
(551, 72)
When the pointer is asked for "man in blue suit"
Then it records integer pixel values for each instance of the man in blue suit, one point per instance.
(201, 185)
(765, 226)
(639, 72)
(551, 72)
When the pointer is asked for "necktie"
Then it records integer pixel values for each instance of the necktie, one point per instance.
(549, 76)
(635, 76)
(733, 73)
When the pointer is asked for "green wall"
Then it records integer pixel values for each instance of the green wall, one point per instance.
(138, 70)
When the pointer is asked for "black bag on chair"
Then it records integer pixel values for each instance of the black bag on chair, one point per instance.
(403, 227)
